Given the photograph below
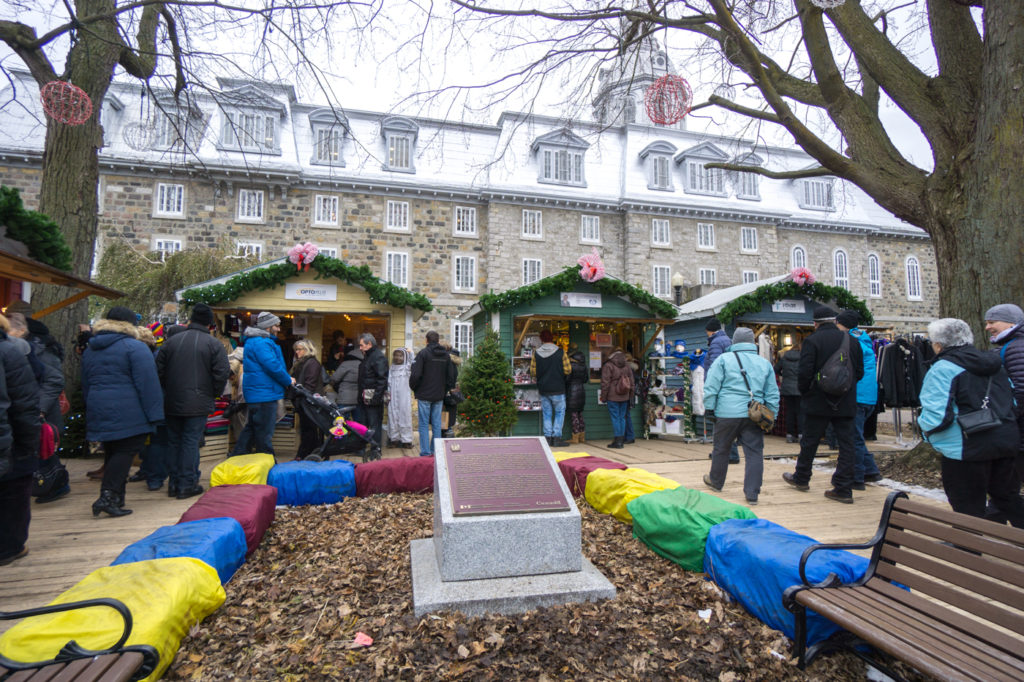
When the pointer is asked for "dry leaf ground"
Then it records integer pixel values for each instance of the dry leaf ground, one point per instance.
(323, 574)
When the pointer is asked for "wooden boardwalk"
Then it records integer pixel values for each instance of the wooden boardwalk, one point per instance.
(66, 542)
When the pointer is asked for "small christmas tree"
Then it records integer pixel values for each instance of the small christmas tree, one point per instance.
(486, 381)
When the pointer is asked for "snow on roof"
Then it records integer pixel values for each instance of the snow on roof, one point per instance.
(712, 304)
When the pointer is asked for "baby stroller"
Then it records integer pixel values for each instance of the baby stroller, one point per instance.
(327, 416)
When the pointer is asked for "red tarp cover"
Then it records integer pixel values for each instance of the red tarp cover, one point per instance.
(405, 475)
(576, 470)
(251, 505)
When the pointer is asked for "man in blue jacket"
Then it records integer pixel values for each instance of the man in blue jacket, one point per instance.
(864, 467)
(718, 343)
(264, 378)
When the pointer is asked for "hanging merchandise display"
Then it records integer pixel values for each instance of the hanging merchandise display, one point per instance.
(668, 100)
(66, 103)
(725, 91)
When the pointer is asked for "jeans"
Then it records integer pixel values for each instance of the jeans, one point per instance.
(183, 434)
(619, 413)
(864, 463)
(16, 512)
(258, 434)
(429, 414)
(729, 430)
(552, 408)
(814, 429)
(627, 419)
(156, 459)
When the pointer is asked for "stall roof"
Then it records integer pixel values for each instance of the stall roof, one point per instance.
(712, 304)
(26, 269)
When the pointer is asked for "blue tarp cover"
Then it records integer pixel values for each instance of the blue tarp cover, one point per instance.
(219, 542)
(755, 560)
(301, 483)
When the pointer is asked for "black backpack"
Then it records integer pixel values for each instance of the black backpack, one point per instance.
(835, 377)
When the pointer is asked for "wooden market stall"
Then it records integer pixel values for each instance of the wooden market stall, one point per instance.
(596, 317)
(18, 272)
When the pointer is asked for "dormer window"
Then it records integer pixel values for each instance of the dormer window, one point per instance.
(817, 194)
(560, 158)
(250, 131)
(699, 178)
(177, 129)
(747, 186)
(399, 135)
(329, 130)
(658, 157)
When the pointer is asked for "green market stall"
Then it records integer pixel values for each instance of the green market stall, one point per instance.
(596, 316)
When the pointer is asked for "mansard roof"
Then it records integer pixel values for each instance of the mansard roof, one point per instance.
(705, 150)
(250, 95)
(563, 137)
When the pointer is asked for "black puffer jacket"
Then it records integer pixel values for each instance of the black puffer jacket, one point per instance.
(373, 373)
(433, 373)
(51, 354)
(193, 368)
(19, 413)
(576, 384)
(788, 367)
(817, 349)
(1011, 348)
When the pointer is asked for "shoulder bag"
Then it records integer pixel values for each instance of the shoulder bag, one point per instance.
(981, 419)
(756, 410)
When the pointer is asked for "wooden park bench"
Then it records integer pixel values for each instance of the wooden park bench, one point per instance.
(74, 663)
(963, 616)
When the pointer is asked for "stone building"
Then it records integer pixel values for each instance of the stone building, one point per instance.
(454, 210)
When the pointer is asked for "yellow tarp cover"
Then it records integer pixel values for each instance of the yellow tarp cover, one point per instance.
(243, 469)
(166, 597)
(610, 490)
(562, 456)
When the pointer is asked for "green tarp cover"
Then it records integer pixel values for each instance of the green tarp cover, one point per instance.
(675, 523)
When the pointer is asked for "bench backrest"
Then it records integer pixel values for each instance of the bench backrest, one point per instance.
(967, 563)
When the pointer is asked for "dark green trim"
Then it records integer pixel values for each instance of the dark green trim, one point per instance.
(769, 293)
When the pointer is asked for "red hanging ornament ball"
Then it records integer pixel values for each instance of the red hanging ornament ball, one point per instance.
(66, 103)
(668, 100)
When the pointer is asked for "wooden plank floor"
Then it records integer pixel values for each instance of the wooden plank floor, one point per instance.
(66, 542)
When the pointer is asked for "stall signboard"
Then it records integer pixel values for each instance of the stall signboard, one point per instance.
(788, 305)
(575, 299)
(310, 292)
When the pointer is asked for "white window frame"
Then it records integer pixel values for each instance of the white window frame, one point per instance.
(706, 236)
(817, 194)
(748, 186)
(660, 173)
(530, 264)
(329, 251)
(462, 338)
(533, 224)
(250, 206)
(328, 144)
(708, 276)
(246, 249)
(875, 277)
(702, 180)
(748, 240)
(912, 270)
(168, 132)
(161, 244)
(161, 198)
(326, 210)
(661, 281)
(750, 276)
(797, 248)
(396, 268)
(397, 216)
(841, 269)
(247, 131)
(590, 229)
(464, 221)
(400, 152)
(464, 274)
(562, 166)
(661, 232)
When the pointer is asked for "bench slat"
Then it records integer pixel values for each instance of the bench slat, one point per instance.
(997, 569)
(1014, 536)
(944, 532)
(79, 669)
(123, 667)
(43, 675)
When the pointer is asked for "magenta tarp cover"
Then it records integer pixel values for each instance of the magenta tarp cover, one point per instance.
(403, 475)
(576, 470)
(251, 505)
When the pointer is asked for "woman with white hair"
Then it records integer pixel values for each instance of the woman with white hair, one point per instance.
(967, 415)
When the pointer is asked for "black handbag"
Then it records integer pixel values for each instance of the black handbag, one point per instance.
(979, 420)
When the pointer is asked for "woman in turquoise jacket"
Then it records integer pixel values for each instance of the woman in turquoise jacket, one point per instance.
(726, 393)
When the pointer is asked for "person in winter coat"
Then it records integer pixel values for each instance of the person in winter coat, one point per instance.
(123, 401)
(156, 455)
(20, 425)
(400, 405)
(373, 384)
(263, 383)
(236, 363)
(1005, 324)
(308, 373)
(549, 366)
(788, 367)
(964, 379)
(864, 467)
(346, 380)
(617, 389)
(726, 393)
(433, 375)
(450, 412)
(718, 343)
(821, 409)
(193, 368)
(576, 393)
(49, 351)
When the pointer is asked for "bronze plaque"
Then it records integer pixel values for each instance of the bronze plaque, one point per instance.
(501, 476)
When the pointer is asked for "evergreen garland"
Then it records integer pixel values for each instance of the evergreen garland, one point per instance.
(769, 293)
(39, 233)
(486, 382)
(326, 267)
(567, 280)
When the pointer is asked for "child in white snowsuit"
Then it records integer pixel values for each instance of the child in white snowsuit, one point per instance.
(400, 406)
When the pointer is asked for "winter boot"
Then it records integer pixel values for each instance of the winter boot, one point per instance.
(108, 503)
(583, 437)
(617, 442)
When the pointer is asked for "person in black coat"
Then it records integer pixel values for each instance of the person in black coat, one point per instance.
(193, 369)
(373, 384)
(433, 374)
(576, 393)
(788, 367)
(20, 424)
(821, 409)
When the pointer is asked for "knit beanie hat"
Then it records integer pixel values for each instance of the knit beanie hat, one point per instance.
(121, 314)
(848, 318)
(743, 335)
(202, 314)
(823, 314)
(713, 325)
(267, 320)
(1004, 312)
